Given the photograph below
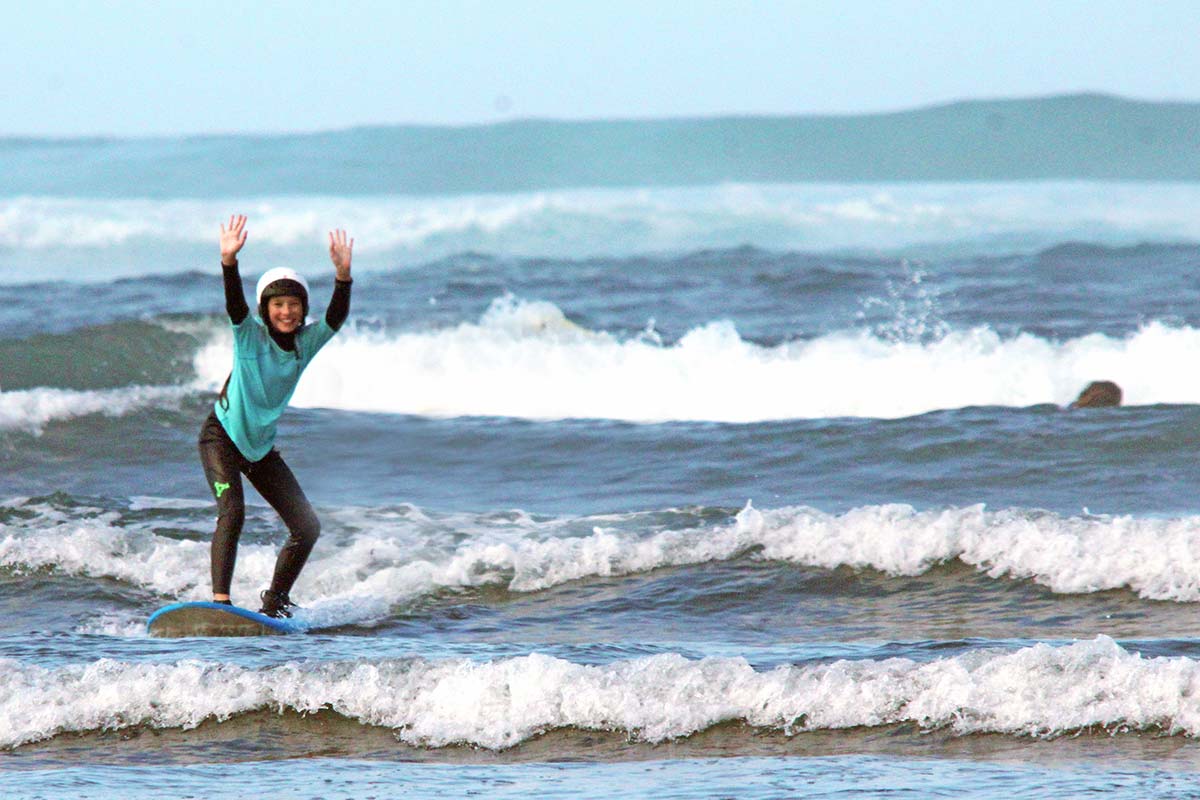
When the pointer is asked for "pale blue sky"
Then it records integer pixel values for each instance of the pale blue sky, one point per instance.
(198, 66)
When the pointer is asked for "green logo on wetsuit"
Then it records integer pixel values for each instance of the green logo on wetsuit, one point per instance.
(220, 488)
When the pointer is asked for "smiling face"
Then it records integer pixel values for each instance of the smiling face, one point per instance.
(285, 313)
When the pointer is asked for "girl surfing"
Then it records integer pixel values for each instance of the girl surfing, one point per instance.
(271, 349)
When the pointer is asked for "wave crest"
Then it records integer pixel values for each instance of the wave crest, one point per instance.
(1041, 690)
(526, 359)
(394, 559)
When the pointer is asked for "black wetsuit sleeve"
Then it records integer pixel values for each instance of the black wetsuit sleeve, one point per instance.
(339, 305)
(235, 298)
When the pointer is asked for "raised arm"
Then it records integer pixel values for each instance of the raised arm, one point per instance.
(232, 239)
(340, 251)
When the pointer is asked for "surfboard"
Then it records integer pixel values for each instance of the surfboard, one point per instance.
(215, 619)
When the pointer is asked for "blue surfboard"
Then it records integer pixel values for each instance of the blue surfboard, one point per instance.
(215, 619)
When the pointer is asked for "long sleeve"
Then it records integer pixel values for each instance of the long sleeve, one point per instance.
(339, 305)
(235, 298)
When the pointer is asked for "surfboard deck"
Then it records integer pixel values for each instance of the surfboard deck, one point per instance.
(215, 619)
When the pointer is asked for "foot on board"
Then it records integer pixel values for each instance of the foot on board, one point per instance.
(276, 604)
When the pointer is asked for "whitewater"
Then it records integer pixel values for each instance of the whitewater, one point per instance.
(408, 553)
(740, 485)
(1035, 691)
(526, 359)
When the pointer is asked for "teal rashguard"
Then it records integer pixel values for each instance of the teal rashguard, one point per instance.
(237, 439)
(263, 379)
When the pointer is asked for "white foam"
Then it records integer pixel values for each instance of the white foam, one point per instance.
(525, 359)
(125, 624)
(96, 543)
(1036, 691)
(32, 409)
(1155, 558)
(1158, 559)
(391, 559)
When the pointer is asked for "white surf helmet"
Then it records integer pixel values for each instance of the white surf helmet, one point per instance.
(278, 282)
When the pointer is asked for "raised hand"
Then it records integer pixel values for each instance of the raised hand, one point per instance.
(232, 239)
(340, 251)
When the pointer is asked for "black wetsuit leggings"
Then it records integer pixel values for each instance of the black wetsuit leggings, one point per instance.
(224, 466)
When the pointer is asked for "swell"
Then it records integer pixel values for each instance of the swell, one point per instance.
(108, 356)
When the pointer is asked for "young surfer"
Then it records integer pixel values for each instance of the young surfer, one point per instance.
(270, 351)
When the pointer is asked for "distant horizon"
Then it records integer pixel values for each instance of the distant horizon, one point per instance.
(1090, 136)
(552, 120)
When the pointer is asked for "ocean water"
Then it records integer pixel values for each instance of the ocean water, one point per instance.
(721, 490)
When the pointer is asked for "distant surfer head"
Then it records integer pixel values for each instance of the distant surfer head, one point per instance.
(1098, 394)
(283, 299)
